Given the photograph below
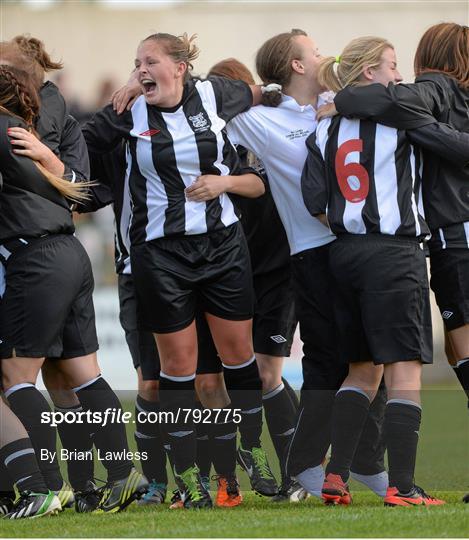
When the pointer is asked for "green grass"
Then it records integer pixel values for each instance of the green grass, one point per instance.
(260, 518)
(442, 469)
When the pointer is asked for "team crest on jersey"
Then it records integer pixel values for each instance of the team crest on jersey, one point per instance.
(199, 122)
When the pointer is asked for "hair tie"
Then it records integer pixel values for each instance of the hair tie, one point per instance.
(272, 87)
(335, 66)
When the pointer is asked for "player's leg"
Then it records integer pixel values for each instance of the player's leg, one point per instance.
(75, 436)
(323, 369)
(19, 459)
(449, 270)
(227, 298)
(148, 433)
(220, 429)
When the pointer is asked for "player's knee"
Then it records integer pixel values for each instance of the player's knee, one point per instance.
(209, 387)
(148, 390)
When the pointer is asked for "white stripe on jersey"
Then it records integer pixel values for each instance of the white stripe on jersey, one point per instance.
(442, 238)
(207, 95)
(386, 179)
(415, 210)
(156, 199)
(321, 135)
(466, 230)
(126, 214)
(176, 122)
(352, 217)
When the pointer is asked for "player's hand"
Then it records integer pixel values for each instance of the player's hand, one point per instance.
(125, 97)
(26, 144)
(326, 111)
(206, 188)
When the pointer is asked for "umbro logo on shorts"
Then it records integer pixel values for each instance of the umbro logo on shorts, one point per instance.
(447, 314)
(278, 339)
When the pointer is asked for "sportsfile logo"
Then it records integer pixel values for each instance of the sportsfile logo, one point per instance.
(278, 339)
(447, 314)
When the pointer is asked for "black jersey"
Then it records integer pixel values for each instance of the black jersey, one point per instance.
(366, 177)
(266, 237)
(446, 179)
(168, 150)
(108, 172)
(60, 132)
(30, 206)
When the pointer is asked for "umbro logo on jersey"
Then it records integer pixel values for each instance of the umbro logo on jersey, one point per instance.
(150, 132)
(447, 314)
(278, 339)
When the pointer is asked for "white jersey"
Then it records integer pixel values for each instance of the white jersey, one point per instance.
(277, 135)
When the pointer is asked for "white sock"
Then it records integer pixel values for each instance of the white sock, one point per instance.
(376, 482)
(312, 480)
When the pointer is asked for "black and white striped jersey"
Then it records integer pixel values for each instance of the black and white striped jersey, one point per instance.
(366, 177)
(168, 150)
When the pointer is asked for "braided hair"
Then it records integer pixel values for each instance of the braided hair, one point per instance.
(19, 98)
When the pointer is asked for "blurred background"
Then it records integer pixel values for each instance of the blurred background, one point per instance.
(97, 39)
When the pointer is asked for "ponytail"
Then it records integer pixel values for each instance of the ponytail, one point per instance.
(34, 48)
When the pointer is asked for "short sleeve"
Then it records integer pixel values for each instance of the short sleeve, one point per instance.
(106, 129)
(232, 97)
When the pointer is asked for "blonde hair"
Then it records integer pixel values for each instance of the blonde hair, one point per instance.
(19, 98)
(179, 48)
(337, 73)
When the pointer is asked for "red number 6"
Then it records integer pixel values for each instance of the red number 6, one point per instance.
(351, 170)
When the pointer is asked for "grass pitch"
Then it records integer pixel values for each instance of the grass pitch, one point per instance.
(443, 470)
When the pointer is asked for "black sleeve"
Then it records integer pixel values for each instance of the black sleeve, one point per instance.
(402, 106)
(233, 97)
(444, 141)
(73, 152)
(313, 179)
(104, 131)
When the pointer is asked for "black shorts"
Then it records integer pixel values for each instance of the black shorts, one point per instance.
(175, 276)
(382, 304)
(141, 345)
(449, 281)
(274, 321)
(47, 308)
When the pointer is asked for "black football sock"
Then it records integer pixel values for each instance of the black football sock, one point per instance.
(401, 431)
(349, 415)
(29, 404)
(6, 483)
(149, 439)
(204, 445)
(20, 460)
(291, 392)
(312, 435)
(224, 433)
(244, 387)
(109, 437)
(75, 437)
(369, 455)
(462, 373)
(280, 415)
(177, 398)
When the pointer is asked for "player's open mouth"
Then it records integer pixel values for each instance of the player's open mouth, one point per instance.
(149, 86)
